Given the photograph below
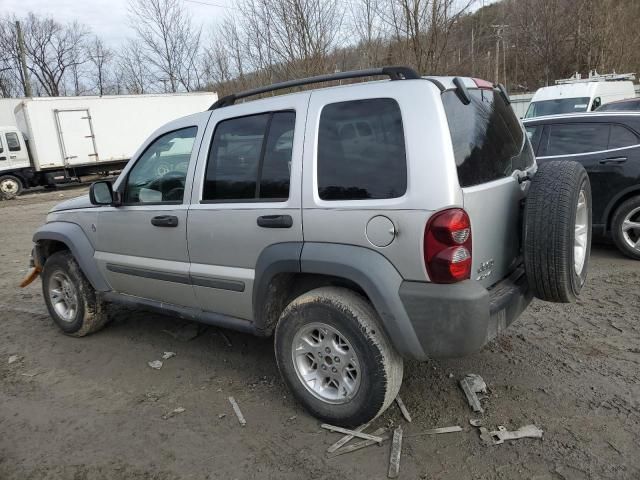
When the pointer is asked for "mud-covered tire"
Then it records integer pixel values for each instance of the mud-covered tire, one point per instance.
(627, 239)
(551, 230)
(10, 187)
(62, 274)
(379, 366)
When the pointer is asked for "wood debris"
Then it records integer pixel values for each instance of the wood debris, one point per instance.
(437, 431)
(236, 409)
(359, 445)
(344, 440)
(173, 413)
(354, 433)
(403, 409)
(396, 450)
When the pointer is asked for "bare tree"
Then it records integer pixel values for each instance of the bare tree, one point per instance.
(100, 58)
(51, 49)
(135, 74)
(170, 42)
(370, 32)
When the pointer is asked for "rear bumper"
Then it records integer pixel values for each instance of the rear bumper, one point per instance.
(459, 319)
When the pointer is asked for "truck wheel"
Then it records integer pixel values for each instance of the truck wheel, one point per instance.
(557, 231)
(335, 357)
(625, 228)
(10, 186)
(70, 298)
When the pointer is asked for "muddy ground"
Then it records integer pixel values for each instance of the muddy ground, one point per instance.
(91, 408)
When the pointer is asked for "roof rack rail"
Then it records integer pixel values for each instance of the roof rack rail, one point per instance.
(394, 73)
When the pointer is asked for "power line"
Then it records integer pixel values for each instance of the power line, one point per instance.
(209, 4)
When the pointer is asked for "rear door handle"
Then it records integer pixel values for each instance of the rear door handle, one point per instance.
(613, 160)
(164, 221)
(275, 221)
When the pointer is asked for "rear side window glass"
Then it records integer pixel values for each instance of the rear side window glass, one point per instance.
(620, 137)
(576, 138)
(1, 148)
(12, 142)
(488, 140)
(371, 165)
(534, 133)
(250, 158)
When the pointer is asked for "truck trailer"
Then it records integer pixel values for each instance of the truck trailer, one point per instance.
(62, 139)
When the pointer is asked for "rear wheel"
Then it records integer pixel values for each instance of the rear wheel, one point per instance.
(557, 231)
(10, 186)
(70, 298)
(625, 228)
(335, 357)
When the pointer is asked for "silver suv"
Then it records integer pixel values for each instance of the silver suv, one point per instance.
(424, 234)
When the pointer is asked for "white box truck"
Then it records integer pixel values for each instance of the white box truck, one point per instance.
(61, 139)
(577, 94)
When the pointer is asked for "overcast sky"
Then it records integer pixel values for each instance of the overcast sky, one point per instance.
(107, 18)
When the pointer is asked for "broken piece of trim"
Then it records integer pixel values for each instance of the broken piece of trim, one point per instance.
(472, 384)
(403, 409)
(359, 445)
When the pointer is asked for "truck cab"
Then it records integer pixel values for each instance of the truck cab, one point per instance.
(14, 162)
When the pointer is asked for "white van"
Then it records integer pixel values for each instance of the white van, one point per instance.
(576, 94)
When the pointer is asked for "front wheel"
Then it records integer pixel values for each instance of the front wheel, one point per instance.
(10, 186)
(335, 357)
(70, 298)
(625, 228)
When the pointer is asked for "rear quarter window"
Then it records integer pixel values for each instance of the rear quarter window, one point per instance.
(361, 151)
(488, 140)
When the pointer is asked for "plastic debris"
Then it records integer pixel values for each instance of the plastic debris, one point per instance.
(396, 450)
(354, 433)
(13, 359)
(156, 364)
(502, 434)
(222, 415)
(168, 355)
(236, 409)
(403, 409)
(471, 385)
(173, 413)
(475, 422)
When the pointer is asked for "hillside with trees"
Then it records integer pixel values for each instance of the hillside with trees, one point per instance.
(524, 44)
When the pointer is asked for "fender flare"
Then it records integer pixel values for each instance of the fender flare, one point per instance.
(609, 210)
(368, 269)
(81, 248)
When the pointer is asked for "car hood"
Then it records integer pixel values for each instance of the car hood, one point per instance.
(73, 204)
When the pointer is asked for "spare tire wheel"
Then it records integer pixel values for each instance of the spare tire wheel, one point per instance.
(557, 231)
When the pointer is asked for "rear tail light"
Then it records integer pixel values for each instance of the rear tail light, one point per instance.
(447, 246)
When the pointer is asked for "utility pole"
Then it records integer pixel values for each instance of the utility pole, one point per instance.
(499, 29)
(23, 62)
(473, 57)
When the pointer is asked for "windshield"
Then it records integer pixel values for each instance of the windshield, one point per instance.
(557, 106)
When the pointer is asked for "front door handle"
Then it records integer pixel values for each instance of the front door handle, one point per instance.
(3, 158)
(613, 160)
(164, 221)
(275, 221)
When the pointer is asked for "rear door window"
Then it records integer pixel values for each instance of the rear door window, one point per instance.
(488, 140)
(250, 159)
(372, 166)
(620, 137)
(576, 138)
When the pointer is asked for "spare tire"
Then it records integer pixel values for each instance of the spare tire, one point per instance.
(557, 231)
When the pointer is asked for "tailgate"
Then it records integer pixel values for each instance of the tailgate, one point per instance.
(494, 210)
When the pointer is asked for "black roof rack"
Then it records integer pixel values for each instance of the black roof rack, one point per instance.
(394, 73)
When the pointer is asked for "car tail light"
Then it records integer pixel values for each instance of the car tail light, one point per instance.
(447, 246)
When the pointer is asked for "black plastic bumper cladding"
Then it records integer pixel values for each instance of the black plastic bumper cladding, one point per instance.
(459, 319)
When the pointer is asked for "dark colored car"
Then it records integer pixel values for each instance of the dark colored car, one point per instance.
(608, 146)
(627, 105)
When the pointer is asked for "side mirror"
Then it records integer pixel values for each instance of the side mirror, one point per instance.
(101, 193)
